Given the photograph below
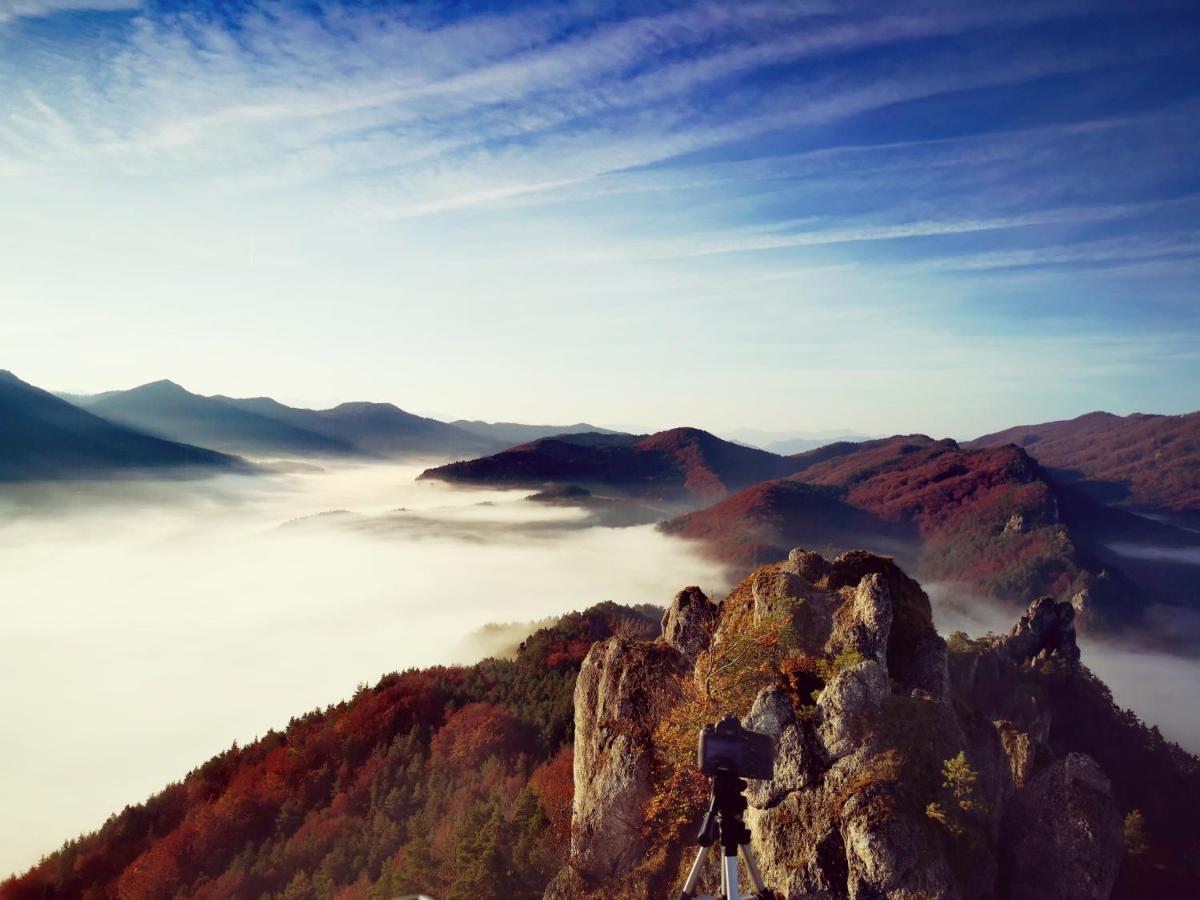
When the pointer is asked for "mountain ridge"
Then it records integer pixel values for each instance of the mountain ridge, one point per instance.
(680, 465)
(992, 519)
(262, 425)
(1145, 461)
(46, 437)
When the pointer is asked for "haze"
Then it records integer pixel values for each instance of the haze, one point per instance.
(147, 626)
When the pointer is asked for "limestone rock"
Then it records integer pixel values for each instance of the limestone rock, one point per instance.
(689, 621)
(1063, 834)
(773, 589)
(845, 817)
(798, 756)
(567, 884)
(1020, 749)
(891, 856)
(799, 847)
(1047, 629)
(869, 619)
(622, 690)
(851, 697)
(812, 567)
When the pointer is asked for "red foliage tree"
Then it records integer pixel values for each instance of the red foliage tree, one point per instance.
(554, 783)
(474, 733)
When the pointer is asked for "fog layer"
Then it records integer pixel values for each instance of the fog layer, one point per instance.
(146, 627)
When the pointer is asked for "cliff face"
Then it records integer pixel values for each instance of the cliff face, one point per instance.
(902, 770)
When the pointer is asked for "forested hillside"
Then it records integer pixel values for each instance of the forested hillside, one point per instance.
(450, 781)
(992, 521)
(1144, 461)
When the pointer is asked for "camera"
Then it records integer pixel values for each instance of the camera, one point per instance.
(726, 748)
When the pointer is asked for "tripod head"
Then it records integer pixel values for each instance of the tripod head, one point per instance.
(725, 815)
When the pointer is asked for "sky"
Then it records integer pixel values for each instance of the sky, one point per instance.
(936, 217)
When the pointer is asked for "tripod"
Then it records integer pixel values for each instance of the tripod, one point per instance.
(724, 819)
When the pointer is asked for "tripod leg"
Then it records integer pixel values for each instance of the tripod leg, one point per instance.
(752, 865)
(689, 886)
(731, 878)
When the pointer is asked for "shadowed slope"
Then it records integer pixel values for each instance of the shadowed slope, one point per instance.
(166, 409)
(43, 437)
(761, 522)
(513, 433)
(1139, 460)
(261, 425)
(387, 430)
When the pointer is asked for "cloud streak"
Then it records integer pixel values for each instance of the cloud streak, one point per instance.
(12, 10)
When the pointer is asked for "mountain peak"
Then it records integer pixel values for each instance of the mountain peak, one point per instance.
(163, 386)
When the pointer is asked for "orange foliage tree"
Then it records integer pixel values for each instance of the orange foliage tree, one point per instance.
(728, 676)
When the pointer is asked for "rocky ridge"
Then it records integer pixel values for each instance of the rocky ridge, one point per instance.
(868, 800)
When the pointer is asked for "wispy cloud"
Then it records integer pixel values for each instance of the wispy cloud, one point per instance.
(495, 91)
(19, 9)
(754, 239)
(922, 163)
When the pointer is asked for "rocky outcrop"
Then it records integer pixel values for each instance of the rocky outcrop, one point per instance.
(1046, 630)
(622, 690)
(898, 775)
(1063, 834)
(869, 619)
(689, 621)
(800, 759)
(849, 704)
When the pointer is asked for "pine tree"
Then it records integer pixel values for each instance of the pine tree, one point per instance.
(481, 863)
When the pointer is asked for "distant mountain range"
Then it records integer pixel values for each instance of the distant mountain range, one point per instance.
(260, 426)
(786, 443)
(990, 518)
(1035, 509)
(1146, 462)
(45, 437)
(509, 434)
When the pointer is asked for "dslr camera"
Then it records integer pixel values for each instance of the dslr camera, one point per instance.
(726, 748)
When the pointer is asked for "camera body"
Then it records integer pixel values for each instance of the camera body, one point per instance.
(726, 748)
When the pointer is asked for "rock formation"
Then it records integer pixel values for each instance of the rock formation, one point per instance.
(898, 774)
(689, 621)
(624, 687)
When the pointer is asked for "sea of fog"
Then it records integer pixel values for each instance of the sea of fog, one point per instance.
(147, 626)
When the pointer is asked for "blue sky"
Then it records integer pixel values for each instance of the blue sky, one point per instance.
(945, 217)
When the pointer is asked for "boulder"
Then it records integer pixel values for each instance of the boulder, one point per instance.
(867, 620)
(689, 621)
(891, 856)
